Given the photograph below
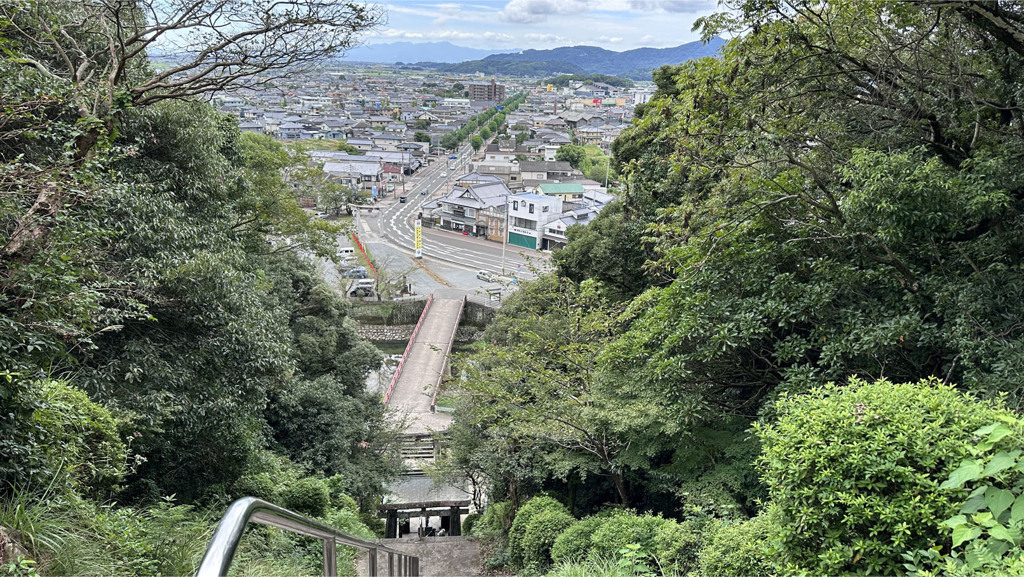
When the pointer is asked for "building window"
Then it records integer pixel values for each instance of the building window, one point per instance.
(531, 208)
(515, 205)
(544, 208)
(524, 223)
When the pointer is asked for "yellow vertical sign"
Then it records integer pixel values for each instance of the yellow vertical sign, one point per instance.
(418, 243)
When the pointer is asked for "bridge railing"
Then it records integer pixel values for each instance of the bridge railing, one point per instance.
(447, 358)
(219, 555)
(408, 346)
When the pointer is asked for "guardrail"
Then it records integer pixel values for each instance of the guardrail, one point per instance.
(447, 358)
(366, 257)
(401, 363)
(221, 551)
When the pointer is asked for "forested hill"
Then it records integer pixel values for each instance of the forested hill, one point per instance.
(158, 354)
(798, 334)
(635, 64)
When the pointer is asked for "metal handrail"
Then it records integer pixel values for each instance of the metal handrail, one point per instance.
(224, 544)
(408, 347)
(445, 364)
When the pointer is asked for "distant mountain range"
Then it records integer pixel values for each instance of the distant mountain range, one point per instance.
(389, 53)
(636, 64)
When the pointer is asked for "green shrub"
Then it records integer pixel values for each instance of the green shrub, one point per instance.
(374, 523)
(469, 522)
(738, 549)
(516, 533)
(574, 543)
(496, 520)
(986, 533)
(539, 535)
(676, 546)
(308, 496)
(259, 485)
(854, 472)
(625, 529)
(349, 521)
(79, 438)
(340, 499)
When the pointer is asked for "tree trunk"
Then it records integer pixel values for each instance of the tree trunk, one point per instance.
(620, 486)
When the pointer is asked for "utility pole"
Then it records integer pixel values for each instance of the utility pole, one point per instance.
(504, 237)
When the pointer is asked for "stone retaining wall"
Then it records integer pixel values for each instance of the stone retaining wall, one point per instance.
(386, 334)
(388, 312)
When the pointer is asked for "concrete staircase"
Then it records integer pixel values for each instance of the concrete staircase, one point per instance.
(416, 449)
(439, 556)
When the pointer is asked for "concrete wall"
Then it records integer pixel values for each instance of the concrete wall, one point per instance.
(477, 314)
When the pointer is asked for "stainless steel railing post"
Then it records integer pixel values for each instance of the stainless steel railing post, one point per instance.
(330, 558)
(221, 551)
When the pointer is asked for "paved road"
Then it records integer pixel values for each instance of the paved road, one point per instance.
(424, 363)
(394, 224)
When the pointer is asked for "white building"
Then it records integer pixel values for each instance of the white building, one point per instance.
(528, 215)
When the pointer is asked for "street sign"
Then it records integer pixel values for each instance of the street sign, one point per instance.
(418, 243)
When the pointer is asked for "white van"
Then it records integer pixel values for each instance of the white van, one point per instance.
(346, 251)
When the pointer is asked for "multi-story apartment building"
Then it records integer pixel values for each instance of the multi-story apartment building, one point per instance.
(486, 91)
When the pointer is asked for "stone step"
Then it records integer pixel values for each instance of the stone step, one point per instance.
(439, 556)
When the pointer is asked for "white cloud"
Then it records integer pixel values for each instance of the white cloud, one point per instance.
(610, 39)
(532, 11)
(534, 37)
(672, 6)
(406, 34)
(481, 38)
(445, 11)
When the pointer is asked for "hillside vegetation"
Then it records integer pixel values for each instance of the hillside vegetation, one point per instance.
(798, 332)
(168, 343)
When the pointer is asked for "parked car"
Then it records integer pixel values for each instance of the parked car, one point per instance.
(321, 215)
(357, 272)
(362, 288)
(486, 276)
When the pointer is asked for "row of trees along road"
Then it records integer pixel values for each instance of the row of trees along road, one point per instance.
(135, 264)
(838, 195)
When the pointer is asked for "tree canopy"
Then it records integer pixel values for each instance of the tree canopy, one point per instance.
(835, 197)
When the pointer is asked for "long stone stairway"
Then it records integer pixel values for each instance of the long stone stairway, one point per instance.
(439, 556)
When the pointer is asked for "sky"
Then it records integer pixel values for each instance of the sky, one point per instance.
(521, 24)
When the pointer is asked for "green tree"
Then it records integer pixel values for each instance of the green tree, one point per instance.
(347, 148)
(450, 141)
(795, 264)
(573, 154)
(476, 141)
(97, 53)
(421, 137)
(485, 133)
(540, 382)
